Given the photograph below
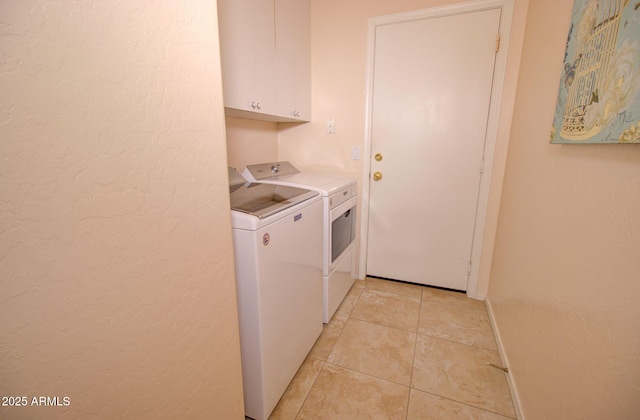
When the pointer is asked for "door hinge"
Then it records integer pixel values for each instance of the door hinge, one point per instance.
(469, 268)
(482, 166)
(498, 42)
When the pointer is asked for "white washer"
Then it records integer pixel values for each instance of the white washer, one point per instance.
(277, 242)
(339, 232)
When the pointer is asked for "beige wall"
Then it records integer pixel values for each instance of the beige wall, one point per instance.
(339, 69)
(566, 273)
(116, 268)
(250, 141)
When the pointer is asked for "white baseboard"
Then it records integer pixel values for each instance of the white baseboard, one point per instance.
(505, 362)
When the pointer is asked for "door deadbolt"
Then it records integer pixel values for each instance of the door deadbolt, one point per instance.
(378, 157)
(377, 176)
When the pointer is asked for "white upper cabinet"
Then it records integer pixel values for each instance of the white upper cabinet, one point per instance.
(293, 59)
(265, 54)
(247, 47)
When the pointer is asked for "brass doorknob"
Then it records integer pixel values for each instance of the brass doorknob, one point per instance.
(377, 176)
(378, 157)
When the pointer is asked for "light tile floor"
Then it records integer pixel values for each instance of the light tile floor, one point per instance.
(401, 351)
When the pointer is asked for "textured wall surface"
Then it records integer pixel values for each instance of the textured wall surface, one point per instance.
(566, 274)
(250, 142)
(116, 267)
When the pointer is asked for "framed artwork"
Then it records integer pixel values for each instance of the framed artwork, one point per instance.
(599, 94)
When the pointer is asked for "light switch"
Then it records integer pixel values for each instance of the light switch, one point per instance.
(355, 153)
(331, 126)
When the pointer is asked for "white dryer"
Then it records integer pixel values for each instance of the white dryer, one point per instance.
(339, 195)
(277, 243)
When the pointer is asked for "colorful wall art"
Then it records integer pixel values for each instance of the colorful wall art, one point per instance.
(599, 95)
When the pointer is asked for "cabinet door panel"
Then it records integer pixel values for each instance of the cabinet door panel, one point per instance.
(247, 46)
(293, 61)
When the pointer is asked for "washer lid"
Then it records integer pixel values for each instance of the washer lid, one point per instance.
(270, 170)
(264, 200)
(284, 173)
(235, 179)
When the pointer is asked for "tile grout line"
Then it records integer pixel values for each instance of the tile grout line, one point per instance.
(476, 347)
(457, 342)
(367, 374)
(349, 317)
(325, 361)
(304, 400)
(424, 303)
(465, 404)
(425, 300)
(386, 326)
(415, 350)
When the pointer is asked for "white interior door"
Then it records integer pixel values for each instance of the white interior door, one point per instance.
(431, 94)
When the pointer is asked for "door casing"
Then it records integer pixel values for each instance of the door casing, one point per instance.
(492, 127)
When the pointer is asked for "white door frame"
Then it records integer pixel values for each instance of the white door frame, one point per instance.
(492, 126)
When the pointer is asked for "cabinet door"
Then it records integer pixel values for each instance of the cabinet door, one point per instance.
(247, 47)
(293, 60)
